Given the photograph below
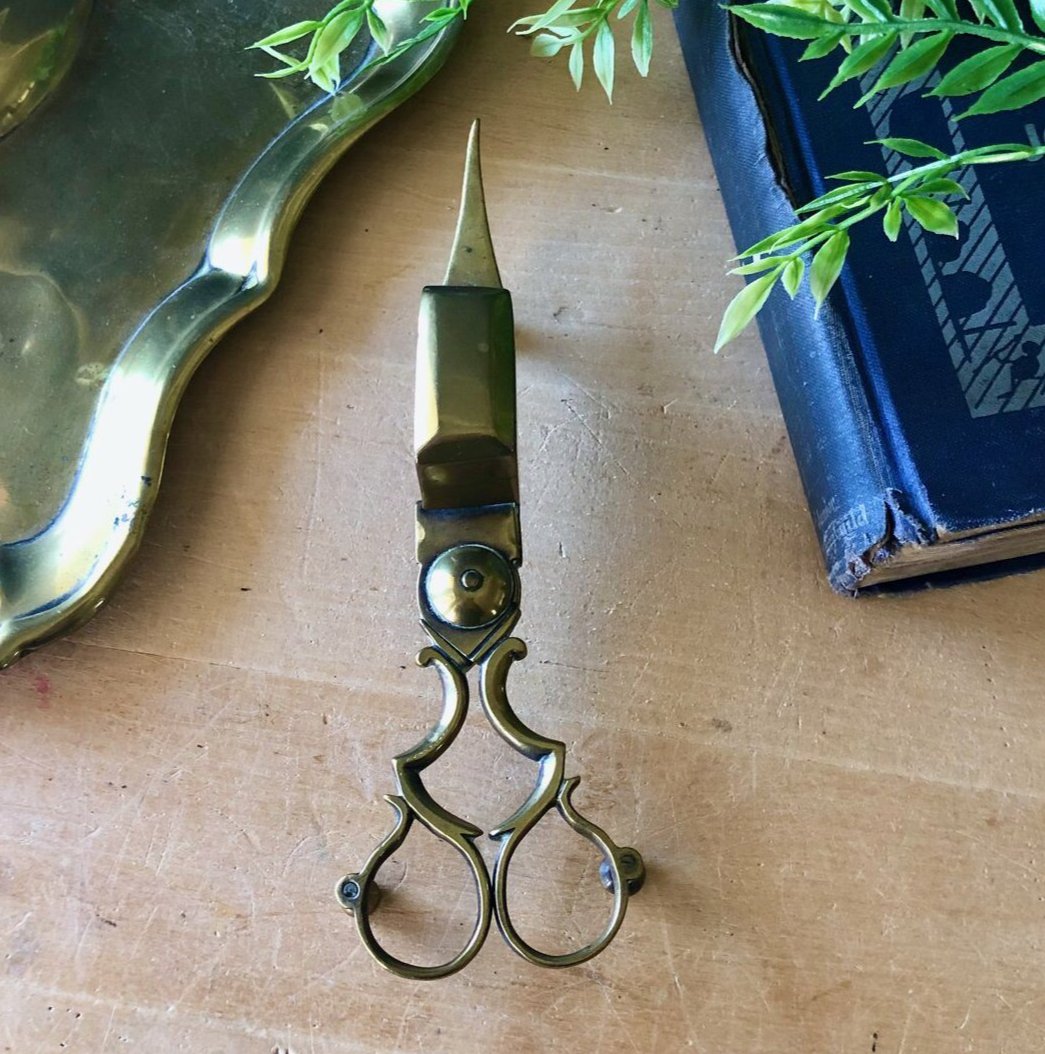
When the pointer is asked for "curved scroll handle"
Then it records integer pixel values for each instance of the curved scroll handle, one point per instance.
(622, 869)
(358, 892)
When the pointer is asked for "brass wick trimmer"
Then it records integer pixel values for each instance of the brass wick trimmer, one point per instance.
(469, 547)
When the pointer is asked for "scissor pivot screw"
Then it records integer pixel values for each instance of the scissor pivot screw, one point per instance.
(350, 892)
(472, 580)
(632, 869)
(469, 586)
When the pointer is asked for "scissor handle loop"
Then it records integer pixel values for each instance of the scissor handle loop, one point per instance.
(611, 854)
(358, 893)
(552, 790)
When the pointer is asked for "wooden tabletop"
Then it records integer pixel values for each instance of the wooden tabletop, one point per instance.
(841, 803)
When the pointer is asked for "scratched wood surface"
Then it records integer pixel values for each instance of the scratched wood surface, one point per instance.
(842, 804)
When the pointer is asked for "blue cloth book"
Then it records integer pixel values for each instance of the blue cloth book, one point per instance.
(915, 403)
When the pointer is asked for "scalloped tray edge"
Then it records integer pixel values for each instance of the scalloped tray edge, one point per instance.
(193, 318)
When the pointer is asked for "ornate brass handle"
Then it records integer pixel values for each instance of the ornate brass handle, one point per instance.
(622, 869)
(358, 893)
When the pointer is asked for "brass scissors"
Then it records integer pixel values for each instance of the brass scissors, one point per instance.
(469, 547)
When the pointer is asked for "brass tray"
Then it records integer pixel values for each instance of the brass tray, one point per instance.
(148, 186)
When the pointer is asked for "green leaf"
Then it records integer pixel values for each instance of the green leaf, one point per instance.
(871, 10)
(642, 39)
(626, 8)
(287, 71)
(979, 71)
(911, 63)
(1037, 10)
(326, 75)
(1003, 14)
(933, 215)
(544, 45)
(763, 263)
(941, 185)
(443, 14)
(827, 266)
(817, 49)
(859, 176)
(1015, 91)
(892, 220)
(288, 34)
(567, 34)
(572, 22)
(944, 9)
(577, 64)
(861, 59)
(850, 196)
(335, 36)
(378, 30)
(744, 306)
(1005, 151)
(782, 21)
(792, 276)
(295, 65)
(910, 10)
(538, 22)
(603, 58)
(911, 147)
(795, 233)
(820, 8)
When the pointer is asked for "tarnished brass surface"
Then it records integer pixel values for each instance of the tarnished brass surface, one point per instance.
(465, 408)
(38, 42)
(469, 548)
(472, 259)
(146, 200)
(469, 586)
(464, 411)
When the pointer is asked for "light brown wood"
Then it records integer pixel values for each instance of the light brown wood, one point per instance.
(842, 804)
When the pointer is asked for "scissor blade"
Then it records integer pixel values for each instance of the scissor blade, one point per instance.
(464, 423)
(472, 259)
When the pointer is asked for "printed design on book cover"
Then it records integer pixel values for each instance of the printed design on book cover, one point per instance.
(997, 353)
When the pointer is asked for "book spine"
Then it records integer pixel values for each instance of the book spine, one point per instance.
(852, 488)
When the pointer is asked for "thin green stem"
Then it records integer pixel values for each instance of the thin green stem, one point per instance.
(941, 166)
(833, 228)
(901, 183)
(1028, 41)
(964, 159)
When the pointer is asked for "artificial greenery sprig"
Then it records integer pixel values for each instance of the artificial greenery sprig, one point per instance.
(823, 233)
(568, 24)
(908, 43)
(891, 43)
(565, 25)
(330, 37)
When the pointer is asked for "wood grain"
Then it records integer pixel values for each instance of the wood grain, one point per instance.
(842, 803)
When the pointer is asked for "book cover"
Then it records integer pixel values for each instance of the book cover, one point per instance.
(915, 403)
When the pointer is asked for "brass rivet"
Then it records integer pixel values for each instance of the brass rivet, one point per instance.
(472, 580)
(469, 586)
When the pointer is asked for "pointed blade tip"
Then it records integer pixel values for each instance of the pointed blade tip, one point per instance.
(472, 259)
